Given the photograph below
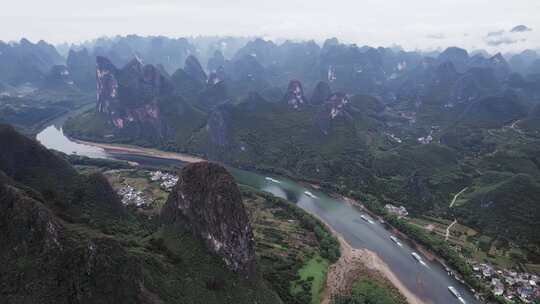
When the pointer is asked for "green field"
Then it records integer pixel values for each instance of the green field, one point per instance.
(313, 271)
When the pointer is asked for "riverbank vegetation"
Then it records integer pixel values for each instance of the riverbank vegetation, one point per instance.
(294, 248)
(370, 289)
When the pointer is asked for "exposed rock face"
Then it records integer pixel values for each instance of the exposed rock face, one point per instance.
(194, 69)
(207, 202)
(107, 83)
(131, 95)
(334, 107)
(321, 93)
(295, 94)
(337, 102)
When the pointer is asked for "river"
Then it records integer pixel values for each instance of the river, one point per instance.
(429, 282)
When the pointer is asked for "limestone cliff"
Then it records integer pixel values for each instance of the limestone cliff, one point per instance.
(207, 202)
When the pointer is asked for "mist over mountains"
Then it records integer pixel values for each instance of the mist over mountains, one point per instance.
(381, 125)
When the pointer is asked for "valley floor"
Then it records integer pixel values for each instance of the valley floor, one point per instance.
(354, 263)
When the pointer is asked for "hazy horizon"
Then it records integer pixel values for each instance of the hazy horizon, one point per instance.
(495, 26)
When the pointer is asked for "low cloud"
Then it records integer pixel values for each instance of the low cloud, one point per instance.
(495, 34)
(436, 36)
(497, 41)
(520, 28)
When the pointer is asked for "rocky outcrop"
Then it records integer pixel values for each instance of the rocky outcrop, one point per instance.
(337, 102)
(295, 94)
(334, 107)
(107, 84)
(130, 96)
(321, 93)
(207, 202)
(194, 69)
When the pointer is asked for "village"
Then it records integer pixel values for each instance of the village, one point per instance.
(131, 196)
(514, 286)
(167, 180)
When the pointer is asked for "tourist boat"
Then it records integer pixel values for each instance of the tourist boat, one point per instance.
(365, 218)
(310, 194)
(456, 293)
(272, 180)
(418, 258)
(395, 240)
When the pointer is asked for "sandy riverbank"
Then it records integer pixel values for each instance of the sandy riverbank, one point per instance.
(117, 149)
(350, 267)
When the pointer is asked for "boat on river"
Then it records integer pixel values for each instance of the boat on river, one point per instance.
(395, 240)
(367, 219)
(272, 180)
(456, 293)
(418, 258)
(310, 194)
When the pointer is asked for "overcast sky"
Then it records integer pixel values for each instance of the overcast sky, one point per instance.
(425, 24)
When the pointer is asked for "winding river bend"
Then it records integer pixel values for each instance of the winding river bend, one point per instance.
(428, 282)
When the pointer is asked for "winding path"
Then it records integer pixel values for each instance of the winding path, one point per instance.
(456, 196)
(448, 230)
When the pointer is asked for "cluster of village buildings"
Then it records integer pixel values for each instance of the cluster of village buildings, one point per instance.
(166, 180)
(398, 211)
(513, 286)
(131, 196)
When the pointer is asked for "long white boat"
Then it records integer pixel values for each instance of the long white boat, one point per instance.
(418, 258)
(272, 180)
(456, 293)
(395, 240)
(367, 219)
(310, 194)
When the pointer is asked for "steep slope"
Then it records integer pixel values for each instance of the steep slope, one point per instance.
(207, 202)
(137, 104)
(67, 238)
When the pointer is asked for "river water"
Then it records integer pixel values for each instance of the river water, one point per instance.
(429, 282)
